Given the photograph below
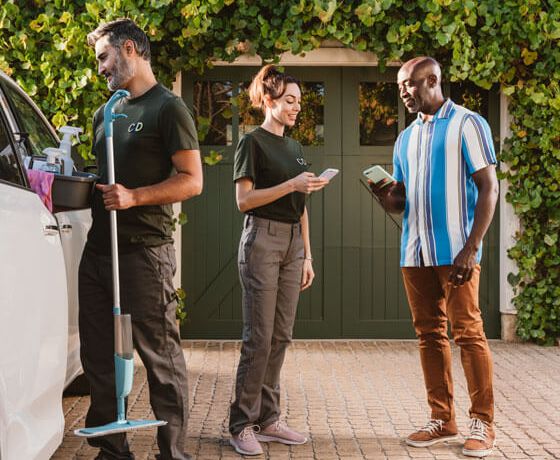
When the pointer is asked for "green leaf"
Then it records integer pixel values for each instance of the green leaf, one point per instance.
(538, 98)
(212, 158)
(551, 239)
(392, 36)
(443, 38)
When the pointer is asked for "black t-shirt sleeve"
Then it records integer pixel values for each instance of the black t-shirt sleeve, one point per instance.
(244, 161)
(177, 127)
(97, 126)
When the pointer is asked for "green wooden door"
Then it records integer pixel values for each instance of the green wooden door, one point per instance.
(358, 289)
(374, 300)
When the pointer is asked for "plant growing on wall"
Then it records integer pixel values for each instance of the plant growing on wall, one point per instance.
(513, 43)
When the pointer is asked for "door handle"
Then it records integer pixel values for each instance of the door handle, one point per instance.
(50, 230)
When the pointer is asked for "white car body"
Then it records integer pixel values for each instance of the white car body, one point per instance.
(39, 256)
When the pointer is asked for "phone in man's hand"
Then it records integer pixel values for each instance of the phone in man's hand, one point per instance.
(376, 174)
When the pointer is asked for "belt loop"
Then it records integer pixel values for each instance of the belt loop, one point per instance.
(271, 228)
(246, 221)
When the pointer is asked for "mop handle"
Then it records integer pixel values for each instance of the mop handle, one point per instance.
(108, 117)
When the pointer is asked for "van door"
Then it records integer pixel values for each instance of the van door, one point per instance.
(33, 317)
(74, 227)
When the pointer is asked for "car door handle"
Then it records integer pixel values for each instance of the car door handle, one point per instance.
(66, 228)
(50, 230)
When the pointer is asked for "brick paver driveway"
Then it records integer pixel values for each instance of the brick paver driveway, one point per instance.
(356, 399)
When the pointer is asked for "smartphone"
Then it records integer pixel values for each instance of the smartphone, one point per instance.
(377, 174)
(329, 173)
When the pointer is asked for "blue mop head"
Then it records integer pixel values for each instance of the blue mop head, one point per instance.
(117, 427)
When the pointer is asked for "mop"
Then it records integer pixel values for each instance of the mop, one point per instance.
(124, 357)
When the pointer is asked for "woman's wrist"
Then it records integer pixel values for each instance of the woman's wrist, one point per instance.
(308, 258)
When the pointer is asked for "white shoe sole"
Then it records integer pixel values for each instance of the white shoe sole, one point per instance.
(479, 453)
(410, 442)
(264, 438)
(243, 452)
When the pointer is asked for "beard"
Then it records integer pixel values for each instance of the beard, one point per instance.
(414, 107)
(122, 73)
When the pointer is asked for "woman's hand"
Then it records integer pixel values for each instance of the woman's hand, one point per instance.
(308, 182)
(308, 274)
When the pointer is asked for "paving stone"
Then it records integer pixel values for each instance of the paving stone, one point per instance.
(356, 400)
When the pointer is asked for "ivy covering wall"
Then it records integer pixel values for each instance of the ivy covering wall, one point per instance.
(513, 43)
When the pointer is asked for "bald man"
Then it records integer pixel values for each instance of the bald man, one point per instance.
(445, 182)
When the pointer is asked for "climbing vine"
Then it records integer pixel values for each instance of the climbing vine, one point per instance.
(513, 43)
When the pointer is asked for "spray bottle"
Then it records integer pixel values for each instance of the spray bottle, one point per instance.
(66, 147)
(54, 159)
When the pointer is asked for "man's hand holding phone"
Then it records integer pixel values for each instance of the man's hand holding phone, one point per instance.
(391, 194)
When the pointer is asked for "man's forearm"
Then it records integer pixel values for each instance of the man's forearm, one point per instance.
(179, 187)
(483, 214)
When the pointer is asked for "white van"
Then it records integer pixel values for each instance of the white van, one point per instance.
(39, 256)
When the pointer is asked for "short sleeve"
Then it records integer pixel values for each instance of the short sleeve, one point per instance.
(96, 126)
(177, 127)
(244, 160)
(477, 143)
(397, 165)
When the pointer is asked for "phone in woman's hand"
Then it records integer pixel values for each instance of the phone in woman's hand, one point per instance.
(329, 173)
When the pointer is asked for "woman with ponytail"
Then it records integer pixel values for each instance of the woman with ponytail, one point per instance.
(275, 263)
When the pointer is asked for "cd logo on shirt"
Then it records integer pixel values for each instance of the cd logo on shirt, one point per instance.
(301, 161)
(136, 127)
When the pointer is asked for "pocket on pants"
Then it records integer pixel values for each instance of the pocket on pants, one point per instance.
(147, 282)
(152, 257)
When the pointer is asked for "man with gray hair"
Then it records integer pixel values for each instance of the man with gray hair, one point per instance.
(445, 182)
(157, 163)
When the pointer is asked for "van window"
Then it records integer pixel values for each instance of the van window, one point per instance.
(39, 136)
(9, 168)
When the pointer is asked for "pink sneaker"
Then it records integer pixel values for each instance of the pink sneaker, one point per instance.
(280, 432)
(245, 442)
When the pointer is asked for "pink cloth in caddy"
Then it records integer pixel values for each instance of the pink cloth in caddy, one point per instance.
(41, 183)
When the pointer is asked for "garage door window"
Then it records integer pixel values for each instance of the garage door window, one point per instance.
(212, 111)
(378, 113)
(9, 168)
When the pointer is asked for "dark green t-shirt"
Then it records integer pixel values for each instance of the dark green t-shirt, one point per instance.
(158, 124)
(268, 160)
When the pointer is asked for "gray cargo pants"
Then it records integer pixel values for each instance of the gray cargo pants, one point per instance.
(270, 264)
(147, 292)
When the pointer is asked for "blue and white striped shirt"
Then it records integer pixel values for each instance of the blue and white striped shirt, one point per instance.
(436, 160)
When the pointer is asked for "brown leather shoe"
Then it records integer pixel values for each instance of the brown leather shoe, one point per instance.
(481, 441)
(433, 432)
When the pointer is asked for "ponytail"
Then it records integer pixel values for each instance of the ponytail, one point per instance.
(269, 81)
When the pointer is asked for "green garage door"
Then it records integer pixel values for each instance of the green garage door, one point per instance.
(349, 120)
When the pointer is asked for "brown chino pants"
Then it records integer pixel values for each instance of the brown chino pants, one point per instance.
(270, 268)
(432, 301)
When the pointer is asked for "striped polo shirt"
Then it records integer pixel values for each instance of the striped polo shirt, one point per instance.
(436, 160)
